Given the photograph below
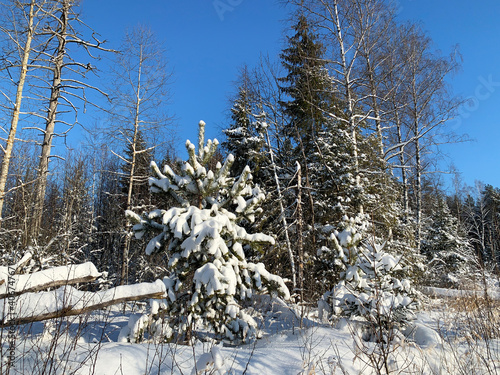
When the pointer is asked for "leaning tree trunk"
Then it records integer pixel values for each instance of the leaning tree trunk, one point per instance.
(300, 241)
(282, 212)
(17, 108)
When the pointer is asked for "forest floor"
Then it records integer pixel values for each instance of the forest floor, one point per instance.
(451, 335)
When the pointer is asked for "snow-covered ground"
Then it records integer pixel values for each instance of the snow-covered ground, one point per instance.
(89, 345)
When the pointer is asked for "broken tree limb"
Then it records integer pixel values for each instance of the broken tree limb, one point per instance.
(49, 278)
(68, 301)
(24, 260)
(16, 268)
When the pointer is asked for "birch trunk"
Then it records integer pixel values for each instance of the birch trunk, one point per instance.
(300, 241)
(282, 212)
(17, 108)
(131, 179)
(346, 76)
(418, 192)
(404, 177)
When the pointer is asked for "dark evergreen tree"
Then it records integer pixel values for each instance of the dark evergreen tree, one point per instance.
(492, 202)
(481, 220)
(320, 143)
(306, 85)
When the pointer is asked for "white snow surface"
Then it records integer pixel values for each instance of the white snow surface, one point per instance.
(423, 335)
(288, 346)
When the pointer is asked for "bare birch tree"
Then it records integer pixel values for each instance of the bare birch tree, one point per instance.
(429, 106)
(63, 32)
(24, 24)
(139, 117)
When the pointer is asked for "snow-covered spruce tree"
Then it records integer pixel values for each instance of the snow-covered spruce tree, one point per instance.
(209, 277)
(244, 139)
(320, 143)
(373, 284)
(449, 254)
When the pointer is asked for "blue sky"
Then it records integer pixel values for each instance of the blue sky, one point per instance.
(475, 27)
(205, 48)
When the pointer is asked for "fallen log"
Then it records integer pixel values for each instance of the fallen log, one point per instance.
(459, 293)
(68, 301)
(49, 278)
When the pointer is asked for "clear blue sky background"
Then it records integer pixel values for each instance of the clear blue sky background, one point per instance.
(205, 51)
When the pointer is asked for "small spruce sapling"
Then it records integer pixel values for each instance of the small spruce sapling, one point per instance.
(373, 285)
(209, 277)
